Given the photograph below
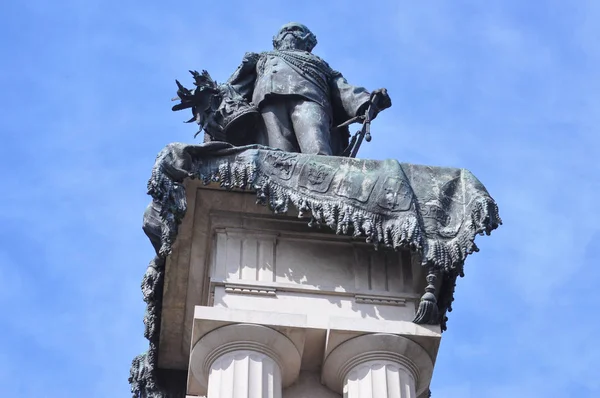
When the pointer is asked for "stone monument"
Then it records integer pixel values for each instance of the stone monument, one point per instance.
(340, 284)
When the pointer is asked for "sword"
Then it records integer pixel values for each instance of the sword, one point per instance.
(365, 131)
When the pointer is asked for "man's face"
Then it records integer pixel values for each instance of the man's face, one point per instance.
(292, 37)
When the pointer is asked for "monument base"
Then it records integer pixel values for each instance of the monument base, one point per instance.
(327, 279)
(238, 271)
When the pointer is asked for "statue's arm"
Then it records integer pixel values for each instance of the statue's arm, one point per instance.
(347, 100)
(242, 80)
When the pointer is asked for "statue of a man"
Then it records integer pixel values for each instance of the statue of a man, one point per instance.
(300, 98)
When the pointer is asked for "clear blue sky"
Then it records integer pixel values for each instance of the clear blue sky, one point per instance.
(507, 89)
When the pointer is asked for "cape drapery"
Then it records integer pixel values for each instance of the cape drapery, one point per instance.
(435, 211)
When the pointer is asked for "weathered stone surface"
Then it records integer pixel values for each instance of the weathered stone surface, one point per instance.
(344, 344)
(232, 253)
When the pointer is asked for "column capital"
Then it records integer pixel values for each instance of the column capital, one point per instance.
(377, 347)
(244, 337)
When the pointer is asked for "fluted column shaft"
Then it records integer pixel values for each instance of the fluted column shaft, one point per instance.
(244, 374)
(379, 379)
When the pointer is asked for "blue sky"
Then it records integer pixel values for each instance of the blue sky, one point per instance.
(507, 89)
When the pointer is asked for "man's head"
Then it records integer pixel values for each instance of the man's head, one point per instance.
(294, 36)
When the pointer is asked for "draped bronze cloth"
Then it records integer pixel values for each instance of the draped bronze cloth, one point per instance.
(435, 210)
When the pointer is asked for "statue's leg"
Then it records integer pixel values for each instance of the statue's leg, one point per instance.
(278, 125)
(312, 125)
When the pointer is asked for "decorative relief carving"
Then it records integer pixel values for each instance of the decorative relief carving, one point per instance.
(254, 290)
(366, 299)
(281, 164)
(397, 195)
(316, 176)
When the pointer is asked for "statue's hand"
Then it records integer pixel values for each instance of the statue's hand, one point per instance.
(381, 99)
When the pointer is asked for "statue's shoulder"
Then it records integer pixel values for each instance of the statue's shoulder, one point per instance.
(333, 73)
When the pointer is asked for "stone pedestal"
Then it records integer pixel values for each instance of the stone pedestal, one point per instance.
(261, 305)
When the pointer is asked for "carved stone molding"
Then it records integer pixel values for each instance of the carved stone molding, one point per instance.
(243, 341)
(379, 379)
(405, 356)
(381, 300)
(244, 374)
(248, 289)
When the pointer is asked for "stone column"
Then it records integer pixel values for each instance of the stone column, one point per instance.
(378, 365)
(379, 379)
(243, 361)
(244, 374)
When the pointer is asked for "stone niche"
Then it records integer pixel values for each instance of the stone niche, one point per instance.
(236, 267)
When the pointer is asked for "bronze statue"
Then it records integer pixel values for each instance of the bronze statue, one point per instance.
(292, 100)
(304, 105)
